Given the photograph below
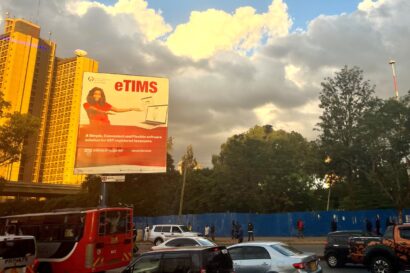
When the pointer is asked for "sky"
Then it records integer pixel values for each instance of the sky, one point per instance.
(233, 64)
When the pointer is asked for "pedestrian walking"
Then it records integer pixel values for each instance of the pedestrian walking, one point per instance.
(233, 230)
(369, 225)
(206, 231)
(250, 232)
(300, 225)
(146, 233)
(189, 226)
(240, 233)
(377, 224)
(333, 225)
(212, 230)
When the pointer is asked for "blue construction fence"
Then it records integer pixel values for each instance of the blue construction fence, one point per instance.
(278, 224)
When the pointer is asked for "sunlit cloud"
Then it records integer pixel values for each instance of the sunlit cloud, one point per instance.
(148, 21)
(293, 74)
(368, 5)
(211, 31)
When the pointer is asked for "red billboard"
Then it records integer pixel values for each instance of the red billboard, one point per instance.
(123, 124)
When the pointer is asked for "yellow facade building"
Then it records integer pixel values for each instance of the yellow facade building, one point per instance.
(34, 81)
(57, 161)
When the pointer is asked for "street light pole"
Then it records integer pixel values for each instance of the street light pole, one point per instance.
(328, 197)
(396, 91)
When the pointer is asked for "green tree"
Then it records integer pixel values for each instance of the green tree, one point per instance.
(264, 170)
(345, 99)
(15, 129)
(150, 194)
(385, 138)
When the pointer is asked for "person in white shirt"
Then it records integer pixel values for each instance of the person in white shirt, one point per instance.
(146, 233)
(207, 230)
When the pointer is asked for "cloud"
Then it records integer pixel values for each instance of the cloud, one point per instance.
(211, 31)
(292, 73)
(147, 21)
(368, 5)
(277, 81)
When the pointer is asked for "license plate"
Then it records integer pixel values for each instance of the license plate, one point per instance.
(312, 266)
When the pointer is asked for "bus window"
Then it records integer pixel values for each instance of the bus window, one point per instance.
(113, 222)
(102, 223)
(11, 230)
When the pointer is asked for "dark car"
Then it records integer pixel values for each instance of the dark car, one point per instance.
(337, 246)
(183, 260)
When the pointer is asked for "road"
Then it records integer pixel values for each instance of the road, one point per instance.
(313, 248)
(326, 269)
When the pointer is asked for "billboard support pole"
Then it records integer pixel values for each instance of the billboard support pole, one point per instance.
(103, 194)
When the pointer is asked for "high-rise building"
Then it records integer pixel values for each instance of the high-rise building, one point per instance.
(57, 161)
(34, 81)
(25, 78)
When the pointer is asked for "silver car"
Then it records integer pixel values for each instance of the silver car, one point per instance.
(266, 257)
(184, 242)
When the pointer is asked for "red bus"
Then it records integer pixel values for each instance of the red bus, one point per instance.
(77, 240)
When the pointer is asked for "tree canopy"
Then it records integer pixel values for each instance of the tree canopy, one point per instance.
(15, 129)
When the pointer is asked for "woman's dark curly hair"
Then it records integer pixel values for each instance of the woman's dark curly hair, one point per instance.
(90, 98)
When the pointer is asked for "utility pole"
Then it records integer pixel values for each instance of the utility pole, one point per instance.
(396, 91)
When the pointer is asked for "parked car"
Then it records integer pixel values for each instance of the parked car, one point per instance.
(183, 242)
(161, 233)
(337, 251)
(17, 253)
(183, 260)
(266, 257)
(387, 254)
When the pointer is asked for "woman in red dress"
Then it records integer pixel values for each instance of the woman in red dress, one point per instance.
(98, 109)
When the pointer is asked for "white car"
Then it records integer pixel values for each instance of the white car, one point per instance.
(266, 257)
(17, 253)
(161, 233)
(184, 242)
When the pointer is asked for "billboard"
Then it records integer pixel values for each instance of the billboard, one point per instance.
(123, 124)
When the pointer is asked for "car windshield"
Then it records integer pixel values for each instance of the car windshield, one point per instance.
(286, 250)
(184, 228)
(205, 242)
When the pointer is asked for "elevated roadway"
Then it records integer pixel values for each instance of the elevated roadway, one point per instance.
(38, 189)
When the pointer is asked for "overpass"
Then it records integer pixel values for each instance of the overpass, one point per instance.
(38, 189)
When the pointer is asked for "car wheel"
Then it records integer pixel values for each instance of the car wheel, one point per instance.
(381, 264)
(158, 241)
(332, 260)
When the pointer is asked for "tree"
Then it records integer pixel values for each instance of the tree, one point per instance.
(385, 138)
(264, 170)
(345, 99)
(188, 163)
(14, 131)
